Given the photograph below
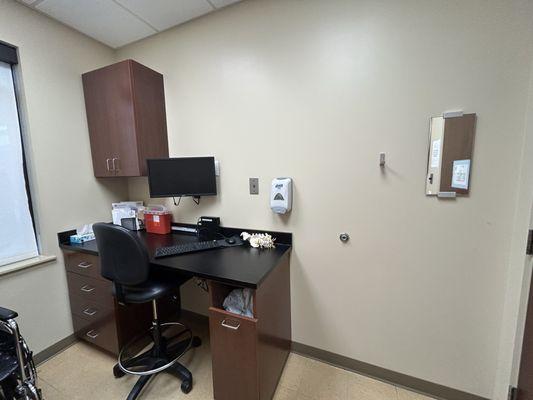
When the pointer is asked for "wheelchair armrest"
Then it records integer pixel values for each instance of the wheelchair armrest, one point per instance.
(6, 314)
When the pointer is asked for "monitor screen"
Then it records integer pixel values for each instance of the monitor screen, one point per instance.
(185, 176)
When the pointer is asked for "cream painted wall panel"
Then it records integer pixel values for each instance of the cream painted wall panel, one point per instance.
(65, 192)
(315, 90)
(520, 268)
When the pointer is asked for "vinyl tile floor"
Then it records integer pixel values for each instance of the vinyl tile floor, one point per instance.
(82, 373)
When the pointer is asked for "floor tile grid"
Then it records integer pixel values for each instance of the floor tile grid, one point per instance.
(81, 373)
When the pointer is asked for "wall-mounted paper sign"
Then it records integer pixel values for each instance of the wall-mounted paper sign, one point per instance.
(435, 153)
(460, 174)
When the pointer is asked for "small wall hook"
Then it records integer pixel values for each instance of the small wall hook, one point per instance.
(344, 237)
(381, 159)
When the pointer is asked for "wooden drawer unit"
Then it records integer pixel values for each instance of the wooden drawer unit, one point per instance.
(102, 333)
(90, 289)
(96, 316)
(83, 264)
(234, 347)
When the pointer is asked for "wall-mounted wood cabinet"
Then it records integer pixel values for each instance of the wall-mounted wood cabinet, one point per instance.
(125, 105)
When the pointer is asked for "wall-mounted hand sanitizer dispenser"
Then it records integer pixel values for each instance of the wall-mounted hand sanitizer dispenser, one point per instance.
(281, 195)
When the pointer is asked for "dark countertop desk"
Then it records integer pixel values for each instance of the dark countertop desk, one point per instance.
(256, 347)
(240, 266)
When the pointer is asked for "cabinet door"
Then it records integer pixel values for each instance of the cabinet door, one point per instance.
(234, 353)
(110, 118)
(150, 115)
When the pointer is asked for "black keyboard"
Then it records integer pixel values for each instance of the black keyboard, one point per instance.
(196, 246)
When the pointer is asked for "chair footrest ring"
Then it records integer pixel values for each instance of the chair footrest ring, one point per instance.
(156, 359)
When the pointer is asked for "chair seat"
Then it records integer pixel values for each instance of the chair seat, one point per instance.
(152, 289)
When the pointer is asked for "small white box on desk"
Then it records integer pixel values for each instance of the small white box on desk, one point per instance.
(125, 209)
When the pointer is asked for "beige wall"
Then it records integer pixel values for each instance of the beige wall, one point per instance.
(520, 266)
(65, 192)
(315, 90)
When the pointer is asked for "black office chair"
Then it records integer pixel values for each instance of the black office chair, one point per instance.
(124, 260)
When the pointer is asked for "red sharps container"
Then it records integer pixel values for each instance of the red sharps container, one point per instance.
(158, 221)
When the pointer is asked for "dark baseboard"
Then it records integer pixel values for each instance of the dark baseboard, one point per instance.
(51, 351)
(411, 383)
(398, 379)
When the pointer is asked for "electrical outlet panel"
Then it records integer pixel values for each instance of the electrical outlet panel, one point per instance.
(254, 185)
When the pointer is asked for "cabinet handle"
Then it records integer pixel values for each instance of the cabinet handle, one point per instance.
(87, 288)
(85, 265)
(117, 166)
(92, 334)
(90, 312)
(107, 164)
(234, 327)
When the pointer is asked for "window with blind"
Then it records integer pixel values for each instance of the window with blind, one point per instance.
(17, 234)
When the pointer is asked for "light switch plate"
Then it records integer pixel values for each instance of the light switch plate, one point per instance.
(254, 185)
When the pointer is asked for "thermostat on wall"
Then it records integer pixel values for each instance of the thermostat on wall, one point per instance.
(281, 195)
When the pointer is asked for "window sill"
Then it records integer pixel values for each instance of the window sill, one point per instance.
(30, 262)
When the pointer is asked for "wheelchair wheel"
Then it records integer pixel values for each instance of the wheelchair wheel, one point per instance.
(21, 392)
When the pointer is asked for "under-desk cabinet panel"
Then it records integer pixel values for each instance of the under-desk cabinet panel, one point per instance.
(234, 352)
(249, 353)
(102, 333)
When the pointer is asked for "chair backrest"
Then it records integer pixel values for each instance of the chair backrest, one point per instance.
(123, 257)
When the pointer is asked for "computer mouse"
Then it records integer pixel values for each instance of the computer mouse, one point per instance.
(230, 241)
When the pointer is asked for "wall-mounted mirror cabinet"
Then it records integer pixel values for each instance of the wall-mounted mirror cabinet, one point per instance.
(451, 146)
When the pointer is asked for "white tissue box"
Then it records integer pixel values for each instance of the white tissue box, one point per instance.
(82, 238)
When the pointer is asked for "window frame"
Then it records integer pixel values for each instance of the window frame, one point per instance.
(9, 55)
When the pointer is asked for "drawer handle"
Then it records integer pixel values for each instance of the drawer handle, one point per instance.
(87, 288)
(90, 312)
(92, 334)
(85, 265)
(234, 327)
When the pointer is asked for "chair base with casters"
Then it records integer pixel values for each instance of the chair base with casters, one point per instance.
(160, 355)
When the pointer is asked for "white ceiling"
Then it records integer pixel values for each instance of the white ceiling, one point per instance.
(119, 22)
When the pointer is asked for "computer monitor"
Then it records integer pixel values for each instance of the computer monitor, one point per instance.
(184, 176)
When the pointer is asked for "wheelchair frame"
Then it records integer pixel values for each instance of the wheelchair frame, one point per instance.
(25, 375)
